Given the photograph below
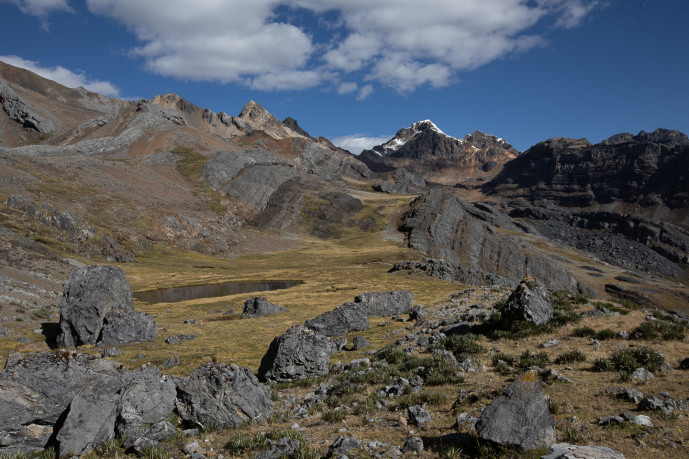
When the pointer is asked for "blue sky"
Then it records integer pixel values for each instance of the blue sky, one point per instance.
(356, 71)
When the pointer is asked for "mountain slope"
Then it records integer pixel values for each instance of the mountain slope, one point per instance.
(437, 157)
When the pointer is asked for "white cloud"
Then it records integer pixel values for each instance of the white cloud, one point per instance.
(40, 8)
(64, 76)
(347, 88)
(365, 92)
(356, 143)
(402, 44)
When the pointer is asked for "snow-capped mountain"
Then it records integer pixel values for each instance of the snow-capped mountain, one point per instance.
(425, 150)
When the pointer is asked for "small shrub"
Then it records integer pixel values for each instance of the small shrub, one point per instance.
(571, 357)
(606, 334)
(391, 354)
(656, 329)
(462, 346)
(243, 442)
(526, 360)
(406, 401)
(633, 358)
(553, 407)
(584, 332)
(603, 365)
(440, 370)
(572, 435)
(335, 415)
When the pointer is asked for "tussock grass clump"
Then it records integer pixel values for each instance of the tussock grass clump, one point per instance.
(606, 334)
(436, 370)
(461, 346)
(583, 332)
(527, 360)
(612, 307)
(656, 329)
(243, 442)
(571, 357)
(628, 360)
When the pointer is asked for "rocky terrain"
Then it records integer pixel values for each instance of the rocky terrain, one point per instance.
(445, 287)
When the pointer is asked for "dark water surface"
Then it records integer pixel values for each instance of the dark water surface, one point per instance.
(175, 294)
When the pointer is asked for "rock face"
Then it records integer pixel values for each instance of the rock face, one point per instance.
(222, 396)
(383, 304)
(343, 319)
(428, 266)
(470, 238)
(17, 110)
(437, 157)
(647, 169)
(97, 305)
(529, 302)
(298, 353)
(520, 417)
(259, 307)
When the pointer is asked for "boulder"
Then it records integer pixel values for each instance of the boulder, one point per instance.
(121, 327)
(343, 445)
(418, 312)
(282, 447)
(529, 302)
(413, 445)
(148, 399)
(222, 396)
(385, 303)
(567, 451)
(39, 387)
(419, 415)
(519, 417)
(360, 342)
(150, 437)
(343, 319)
(298, 353)
(92, 294)
(259, 307)
(90, 420)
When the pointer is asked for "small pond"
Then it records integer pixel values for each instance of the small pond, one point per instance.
(175, 294)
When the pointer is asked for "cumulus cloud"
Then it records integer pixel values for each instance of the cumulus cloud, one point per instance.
(64, 76)
(40, 8)
(402, 44)
(365, 92)
(356, 143)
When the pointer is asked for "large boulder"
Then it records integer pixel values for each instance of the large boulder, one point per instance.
(121, 327)
(529, 302)
(148, 399)
(97, 305)
(222, 396)
(343, 319)
(39, 389)
(259, 307)
(90, 420)
(298, 353)
(519, 417)
(385, 303)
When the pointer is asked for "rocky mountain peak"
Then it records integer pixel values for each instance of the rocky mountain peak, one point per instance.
(254, 112)
(403, 136)
(667, 137)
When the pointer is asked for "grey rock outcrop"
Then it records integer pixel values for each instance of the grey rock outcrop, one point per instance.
(150, 437)
(568, 451)
(18, 111)
(90, 420)
(259, 307)
(343, 319)
(282, 447)
(519, 417)
(120, 327)
(222, 396)
(383, 304)
(298, 353)
(37, 389)
(529, 302)
(146, 400)
(433, 267)
(92, 294)
(480, 242)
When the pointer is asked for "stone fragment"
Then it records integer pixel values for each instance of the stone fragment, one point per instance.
(296, 354)
(360, 342)
(222, 396)
(418, 312)
(519, 417)
(282, 447)
(259, 307)
(529, 302)
(343, 319)
(418, 415)
(413, 445)
(384, 304)
(343, 445)
(641, 374)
